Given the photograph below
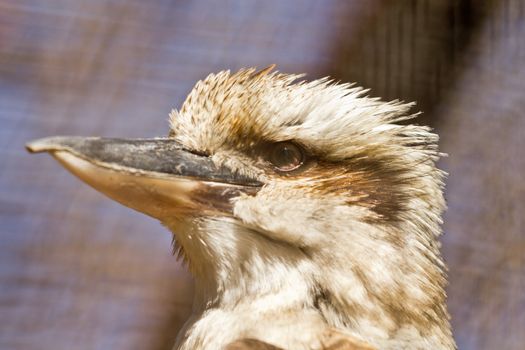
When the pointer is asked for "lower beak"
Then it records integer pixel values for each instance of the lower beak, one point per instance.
(155, 176)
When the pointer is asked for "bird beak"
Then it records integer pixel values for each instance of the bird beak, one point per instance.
(155, 176)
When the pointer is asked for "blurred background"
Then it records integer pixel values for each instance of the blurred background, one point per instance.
(78, 271)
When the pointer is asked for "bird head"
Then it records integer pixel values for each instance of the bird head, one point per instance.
(271, 183)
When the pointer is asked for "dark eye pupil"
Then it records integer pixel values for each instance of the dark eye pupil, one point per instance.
(286, 156)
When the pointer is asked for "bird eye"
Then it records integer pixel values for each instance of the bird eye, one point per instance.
(286, 156)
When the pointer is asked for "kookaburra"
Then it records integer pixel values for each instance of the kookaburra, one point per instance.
(307, 214)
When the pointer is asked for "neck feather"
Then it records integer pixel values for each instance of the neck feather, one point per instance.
(394, 294)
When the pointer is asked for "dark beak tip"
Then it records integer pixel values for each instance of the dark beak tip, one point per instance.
(39, 145)
(34, 147)
(49, 144)
(29, 148)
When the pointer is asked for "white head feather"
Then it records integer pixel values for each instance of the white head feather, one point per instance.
(350, 241)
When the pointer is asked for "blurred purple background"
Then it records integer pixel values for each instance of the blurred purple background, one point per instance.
(78, 271)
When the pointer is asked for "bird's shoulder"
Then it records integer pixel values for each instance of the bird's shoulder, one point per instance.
(332, 339)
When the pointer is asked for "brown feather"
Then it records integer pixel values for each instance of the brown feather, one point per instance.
(250, 344)
(336, 340)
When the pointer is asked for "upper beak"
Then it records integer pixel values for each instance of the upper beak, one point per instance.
(155, 176)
